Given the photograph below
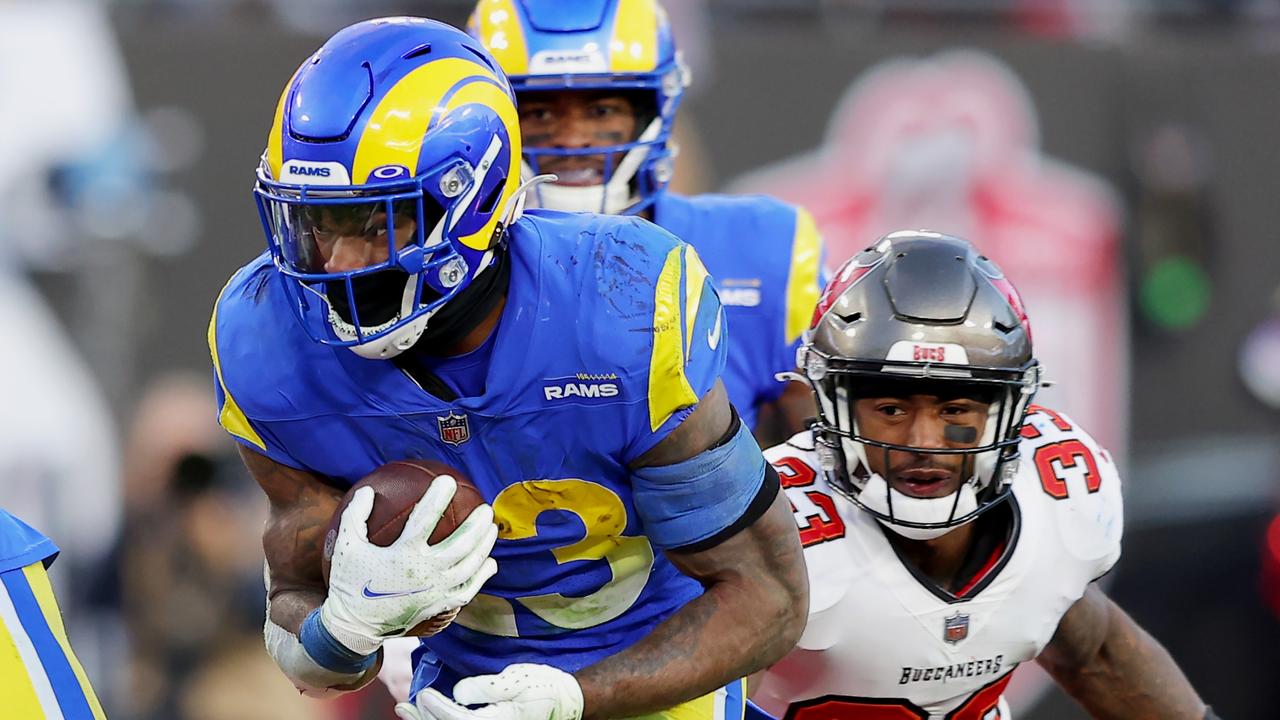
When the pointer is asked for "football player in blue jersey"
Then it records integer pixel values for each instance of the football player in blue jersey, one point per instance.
(636, 557)
(40, 677)
(597, 85)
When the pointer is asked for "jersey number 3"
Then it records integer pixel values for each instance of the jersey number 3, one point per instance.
(821, 520)
(630, 558)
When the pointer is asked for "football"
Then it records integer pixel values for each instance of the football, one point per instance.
(397, 487)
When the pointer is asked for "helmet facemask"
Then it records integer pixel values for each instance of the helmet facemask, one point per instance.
(844, 450)
(634, 171)
(390, 174)
(382, 308)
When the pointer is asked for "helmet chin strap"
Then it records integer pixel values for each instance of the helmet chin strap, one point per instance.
(393, 343)
(891, 507)
(878, 497)
(612, 197)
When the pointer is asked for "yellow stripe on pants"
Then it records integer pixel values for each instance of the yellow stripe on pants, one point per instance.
(708, 707)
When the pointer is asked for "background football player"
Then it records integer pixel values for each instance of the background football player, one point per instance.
(952, 529)
(567, 363)
(40, 676)
(598, 84)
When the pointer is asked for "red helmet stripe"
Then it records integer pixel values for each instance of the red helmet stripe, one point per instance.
(1011, 296)
(848, 274)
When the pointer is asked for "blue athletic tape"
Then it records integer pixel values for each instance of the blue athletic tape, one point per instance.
(327, 651)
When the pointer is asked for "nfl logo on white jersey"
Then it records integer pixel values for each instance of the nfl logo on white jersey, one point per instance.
(955, 628)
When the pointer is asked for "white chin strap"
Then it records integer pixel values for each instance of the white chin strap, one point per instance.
(611, 198)
(391, 344)
(876, 495)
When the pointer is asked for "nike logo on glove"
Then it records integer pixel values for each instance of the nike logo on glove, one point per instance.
(374, 595)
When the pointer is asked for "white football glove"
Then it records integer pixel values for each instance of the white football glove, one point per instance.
(377, 593)
(524, 691)
(397, 666)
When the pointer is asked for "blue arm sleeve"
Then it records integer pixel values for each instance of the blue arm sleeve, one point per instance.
(696, 504)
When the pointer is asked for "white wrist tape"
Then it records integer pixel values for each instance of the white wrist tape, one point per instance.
(305, 674)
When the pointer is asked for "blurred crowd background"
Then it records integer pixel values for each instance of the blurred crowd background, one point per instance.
(1119, 158)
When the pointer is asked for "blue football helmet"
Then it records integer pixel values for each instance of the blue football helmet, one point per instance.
(593, 45)
(391, 169)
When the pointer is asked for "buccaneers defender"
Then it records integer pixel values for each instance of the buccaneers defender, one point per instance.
(952, 529)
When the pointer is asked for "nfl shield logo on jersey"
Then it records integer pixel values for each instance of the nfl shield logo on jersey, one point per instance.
(955, 628)
(454, 429)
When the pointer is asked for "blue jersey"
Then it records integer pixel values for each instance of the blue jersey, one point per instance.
(611, 332)
(765, 256)
(21, 545)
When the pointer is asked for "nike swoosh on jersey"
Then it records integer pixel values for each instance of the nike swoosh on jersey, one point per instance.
(713, 335)
(374, 594)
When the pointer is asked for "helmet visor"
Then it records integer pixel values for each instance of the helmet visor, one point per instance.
(321, 236)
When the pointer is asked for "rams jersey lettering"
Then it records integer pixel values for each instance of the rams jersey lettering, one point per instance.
(610, 334)
(765, 256)
(883, 643)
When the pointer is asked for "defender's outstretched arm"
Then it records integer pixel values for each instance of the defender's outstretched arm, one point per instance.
(1112, 667)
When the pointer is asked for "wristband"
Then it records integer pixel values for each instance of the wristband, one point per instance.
(327, 651)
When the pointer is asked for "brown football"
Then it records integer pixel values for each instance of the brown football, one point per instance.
(397, 487)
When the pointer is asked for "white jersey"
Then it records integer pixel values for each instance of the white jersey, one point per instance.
(886, 643)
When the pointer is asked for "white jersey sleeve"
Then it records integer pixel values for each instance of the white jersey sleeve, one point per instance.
(1080, 485)
(818, 521)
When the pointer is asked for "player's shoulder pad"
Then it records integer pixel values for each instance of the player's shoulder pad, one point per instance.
(21, 544)
(758, 230)
(830, 568)
(760, 237)
(801, 445)
(247, 331)
(646, 309)
(1074, 480)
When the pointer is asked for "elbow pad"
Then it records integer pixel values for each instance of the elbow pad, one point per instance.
(699, 503)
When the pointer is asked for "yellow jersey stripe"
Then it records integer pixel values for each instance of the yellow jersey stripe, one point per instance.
(497, 25)
(634, 44)
(802, 279)
(695, 278)
(40, 587)
(393, 133)
(25, 690)
(230, 417)
(669, 388)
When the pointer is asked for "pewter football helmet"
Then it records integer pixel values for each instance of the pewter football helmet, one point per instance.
(920, 313)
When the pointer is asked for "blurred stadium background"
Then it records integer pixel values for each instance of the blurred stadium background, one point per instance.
(1119, 157)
